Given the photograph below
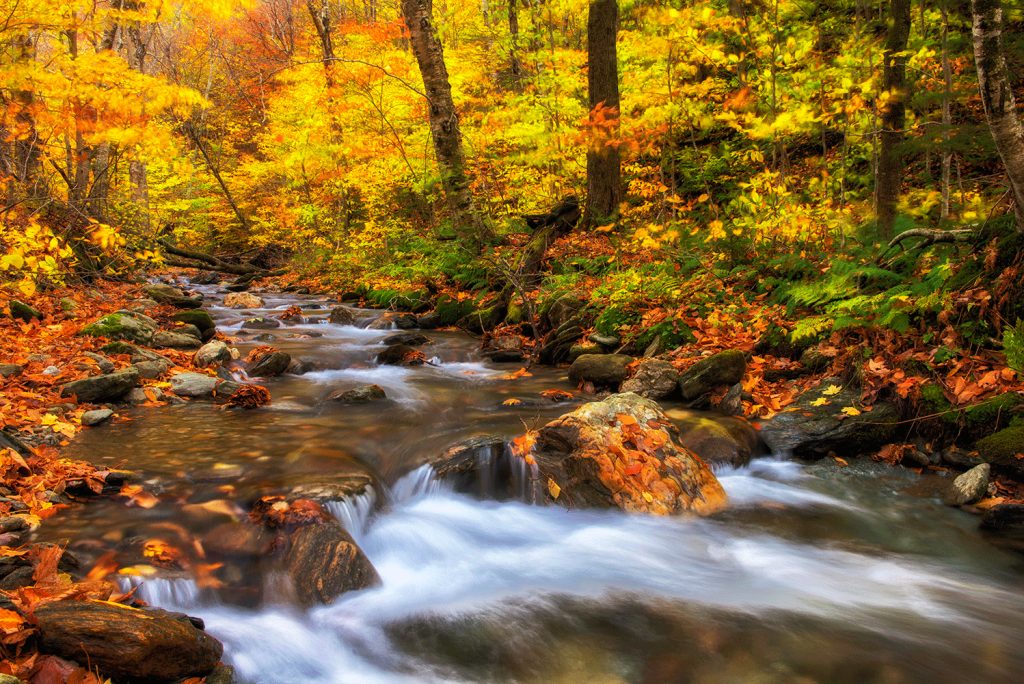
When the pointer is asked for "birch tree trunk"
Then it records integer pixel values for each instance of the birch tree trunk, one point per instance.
(444, 120)
(997, 97)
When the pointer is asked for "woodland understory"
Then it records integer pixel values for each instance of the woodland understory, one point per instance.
(834, 191)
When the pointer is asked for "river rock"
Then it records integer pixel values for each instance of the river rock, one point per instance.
(324, 562)
(166, 339)
(213, 353)
(606, 341)
(261, 323)
(151, 370)
(93, 418)
(604, 370)
(342, 315)
(102, 362)
(622, 453)
(300, 366)
(1003, 450)
(270, 365)
(243, 300)
(412, 339)
(238, 539)
(23, 312)
(102, 388)
(505, 349)
(194, 384)
(168, 294)
(723, 368)
(654, 379)
(811, 431)
(359, 395)
(387, 321)
(719, 441)
(124, 642)
(10, 370)
(400, 355)
(201, 319)
(970, 486)
(123, 326)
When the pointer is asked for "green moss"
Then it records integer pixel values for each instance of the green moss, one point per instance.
(935, 402)
(1003, 445)
(115, 348)
(23, 311)
(673, 334)
(515, 315)
(117, 326)
(994, 411)
(196, 317)
(450, 310)
(612, 318)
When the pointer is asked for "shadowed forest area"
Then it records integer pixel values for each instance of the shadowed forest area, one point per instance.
(284, 283)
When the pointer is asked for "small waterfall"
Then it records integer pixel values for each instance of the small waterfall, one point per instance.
(353, 512)
(174, 593)
(416, 484)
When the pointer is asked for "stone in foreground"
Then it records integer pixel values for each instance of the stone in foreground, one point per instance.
(970, 486)
(127, 643)
(723, 368)
(604, 370)
(101, 388)
(325, 562)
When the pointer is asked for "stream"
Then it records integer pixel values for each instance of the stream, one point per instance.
(815, 573)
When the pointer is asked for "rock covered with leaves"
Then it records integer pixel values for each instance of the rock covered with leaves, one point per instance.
(620, 453)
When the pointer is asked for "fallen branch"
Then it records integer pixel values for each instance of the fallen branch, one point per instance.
(212, 263)
(932, 236)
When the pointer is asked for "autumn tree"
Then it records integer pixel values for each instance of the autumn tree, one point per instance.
(997, 96)
(889, 171)
(444, 119)
(604, 182)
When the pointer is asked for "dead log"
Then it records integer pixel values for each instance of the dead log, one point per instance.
(189, 259)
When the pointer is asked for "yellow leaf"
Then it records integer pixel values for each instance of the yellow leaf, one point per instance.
(511, 402)
(832, 390)
(648, 497)
(553, 489)
(841, 461)
(820, 401)
(850, 411)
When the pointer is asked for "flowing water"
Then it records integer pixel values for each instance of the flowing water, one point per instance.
(815, 573)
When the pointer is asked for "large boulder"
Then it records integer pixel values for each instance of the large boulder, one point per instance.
(127, 643)
(270, 365)
(243, 300)
(123, 326)
(654, 379)
(199, 318)
(101, 388)
(342, 315)
(168, 294)
(622, 453)
(723, 368)
(324, 562)
(214, 353)
(1004, 450)
(816, 424)
(604, 370)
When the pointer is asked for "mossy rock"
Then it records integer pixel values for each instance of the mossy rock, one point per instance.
(981, 418)
(23, 311)
(449, 310)
(197, 317)
(1002, 450)
(121, 326)
(935, 403)
(483, 319)
(516, 314)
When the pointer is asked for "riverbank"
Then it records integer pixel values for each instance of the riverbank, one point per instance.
(679, 376)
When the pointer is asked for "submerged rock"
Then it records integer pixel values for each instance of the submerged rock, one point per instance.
(324, 562)
(101, 388)
(604, 370)
(359, 395)
(201, 386)
(723, 368)
(401, 355)
(816, 425)
(622, 453)
(124, 642)
(654, 379)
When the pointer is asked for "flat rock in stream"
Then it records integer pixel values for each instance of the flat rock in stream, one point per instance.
(401, 355)
(96, 417)
(167, 339)
(270, 365)
(261, 323)
(363, 394)
(243, 300)
(130, 643)
(324, 562)
(201, 386)
(412, 339)
(812, 429)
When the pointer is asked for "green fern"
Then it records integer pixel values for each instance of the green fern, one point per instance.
(1013, 346)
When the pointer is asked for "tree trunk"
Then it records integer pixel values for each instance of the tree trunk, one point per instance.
(997, 97)
(604, 182)
(320, 13)
(889, 174)
(444, 120)
(513, 31)
(237, 210)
